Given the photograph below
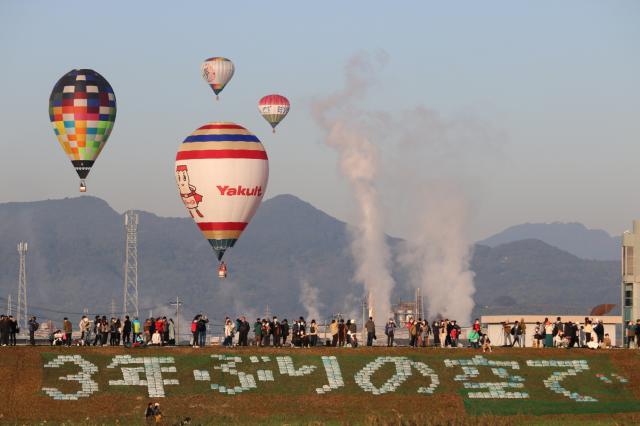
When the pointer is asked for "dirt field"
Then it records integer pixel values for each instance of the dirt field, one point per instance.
(290, 399)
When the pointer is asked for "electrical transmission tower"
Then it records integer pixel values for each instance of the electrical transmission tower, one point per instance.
(130, 305)
(21, 311)
(9, 307)
(419, 304)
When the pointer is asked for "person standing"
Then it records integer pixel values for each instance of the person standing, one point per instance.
(370, 326)
(342, 333)
(523, 333)
(436, 333)
(228, 332)
(194, 330)
(243, 331)
(265, 332)
(68, 330)
(549, 328)
(4, 330)
(13, 330)
(96, 330)
(126, 331)
(389, 331)
(33, 327)
(171, 330)
(257, 332)
(135, 328)
(333, 329)
(285, 331)
(202, 330)
(506, 332)
(313, 333)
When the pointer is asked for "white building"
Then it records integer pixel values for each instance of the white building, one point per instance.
(494, 328)
(631, 273)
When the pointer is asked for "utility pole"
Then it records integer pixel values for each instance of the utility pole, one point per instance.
(130, 304)
(177, 304)
(267, 312)
(364, 314)
(21, 312)
(9, 307)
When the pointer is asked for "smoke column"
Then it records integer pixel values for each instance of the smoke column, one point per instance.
(309, 297)
(346, 131)
(438, 255)
(433, 153)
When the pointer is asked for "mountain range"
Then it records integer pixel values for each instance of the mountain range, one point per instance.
(76, 257)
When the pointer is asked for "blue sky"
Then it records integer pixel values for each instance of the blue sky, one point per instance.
(559, 81)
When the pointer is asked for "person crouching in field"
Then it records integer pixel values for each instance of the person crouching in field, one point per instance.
(486, 343)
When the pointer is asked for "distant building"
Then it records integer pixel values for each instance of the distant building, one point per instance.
(631, 273)
(402, 311)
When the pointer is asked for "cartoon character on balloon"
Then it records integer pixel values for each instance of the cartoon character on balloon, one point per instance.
(190, 197)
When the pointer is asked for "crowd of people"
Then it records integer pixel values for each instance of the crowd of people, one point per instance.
(558, 334)
(113, 332)
(161, 331)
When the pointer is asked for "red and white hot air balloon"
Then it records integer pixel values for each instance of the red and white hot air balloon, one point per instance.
(274, 108)
(222, 171)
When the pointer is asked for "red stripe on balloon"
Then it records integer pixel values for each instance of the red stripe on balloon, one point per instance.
(221, 153)
(222, 226)
(221, 126)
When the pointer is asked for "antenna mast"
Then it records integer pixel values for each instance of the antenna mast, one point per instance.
(130, 305)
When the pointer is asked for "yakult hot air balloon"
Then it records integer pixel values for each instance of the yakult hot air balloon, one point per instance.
(221, 171)
(274, 108)
(217, 72)
(82, 109)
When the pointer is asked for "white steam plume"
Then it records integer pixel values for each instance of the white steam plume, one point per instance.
(309, 297)
(438, 255)
(431, 158)
(347, 133)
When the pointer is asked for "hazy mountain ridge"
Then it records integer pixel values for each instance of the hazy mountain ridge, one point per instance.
(76, 255)
(574, 238)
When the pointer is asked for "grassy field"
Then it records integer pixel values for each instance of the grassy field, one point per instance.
(580, 387)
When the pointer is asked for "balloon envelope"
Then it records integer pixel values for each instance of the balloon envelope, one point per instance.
(217, 72)
(82, 109)
(221, 171)
(274, 108)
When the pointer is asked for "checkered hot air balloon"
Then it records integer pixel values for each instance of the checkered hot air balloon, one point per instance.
(274, 108)
(217, 72)
(222, 171)
(82, 109)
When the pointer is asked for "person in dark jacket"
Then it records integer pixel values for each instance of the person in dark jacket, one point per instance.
(202, 330)
(257, 332)
(96, 330)
(285, 331)
(13, 330)
(68, 331)
(370, 326)
(33, 327)
(243, 331)
(4, 330)
(126, 331)
(342, 333)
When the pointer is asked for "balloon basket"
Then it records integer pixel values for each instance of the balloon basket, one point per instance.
(83, 187)
(273, 131)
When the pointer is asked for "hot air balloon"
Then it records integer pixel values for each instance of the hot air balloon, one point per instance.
(82, 109)
(221, 171)
(274, 108)
(217, 72)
